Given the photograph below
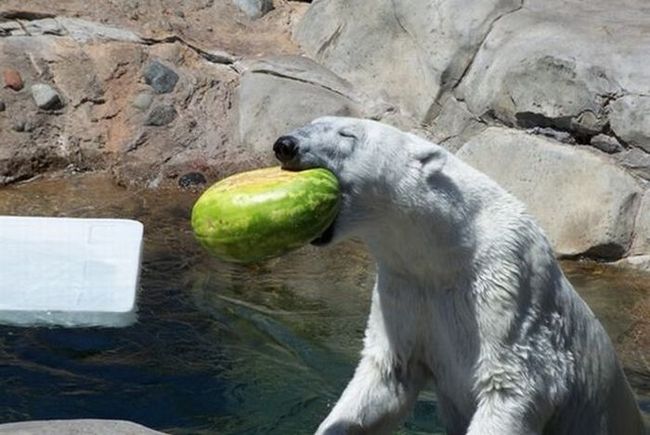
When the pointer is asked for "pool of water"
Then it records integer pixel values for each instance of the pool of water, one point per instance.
(230, 349)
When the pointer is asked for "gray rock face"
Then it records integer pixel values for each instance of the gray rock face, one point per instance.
(76, 427)
(408, 53)
(254, 8)
(46, 97)
(280, 93)
(630, 120)
(160, 77)
(636, 161)
(586, 204)
(575, 71)
(608, 144)
(454, 125)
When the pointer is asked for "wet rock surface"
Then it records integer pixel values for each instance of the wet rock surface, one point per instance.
(71, 427)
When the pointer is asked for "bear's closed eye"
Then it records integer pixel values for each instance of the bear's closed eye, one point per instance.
(347, 133)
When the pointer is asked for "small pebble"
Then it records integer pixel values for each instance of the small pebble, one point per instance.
(142, 101)
(254, 8)
(18, 126)
(46, 97)
(12, 79)
(161, 115)
(191, 179)
(161, 78)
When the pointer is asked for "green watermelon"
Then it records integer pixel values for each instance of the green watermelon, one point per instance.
(265, 213)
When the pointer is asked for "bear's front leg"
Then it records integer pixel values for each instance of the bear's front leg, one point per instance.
(375, 401)
(386, 382)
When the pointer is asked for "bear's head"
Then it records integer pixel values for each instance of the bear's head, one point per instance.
(380, 169)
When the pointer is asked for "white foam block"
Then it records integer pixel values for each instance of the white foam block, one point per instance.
(69, 271)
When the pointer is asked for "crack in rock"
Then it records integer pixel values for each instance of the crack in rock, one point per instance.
(480, 44)
(298, 79)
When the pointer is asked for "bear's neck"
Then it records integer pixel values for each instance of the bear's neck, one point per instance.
(437, 256)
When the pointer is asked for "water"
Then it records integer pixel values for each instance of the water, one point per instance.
(230, 349)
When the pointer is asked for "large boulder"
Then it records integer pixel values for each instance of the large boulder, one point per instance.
(408, 53)
(586, 204)
(76, 427)
(278, 94)
(570, 65)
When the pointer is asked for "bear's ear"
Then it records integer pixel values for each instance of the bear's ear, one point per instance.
(353, 131)
(432, 160)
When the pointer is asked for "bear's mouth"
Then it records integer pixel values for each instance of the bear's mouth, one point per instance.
(326, 236)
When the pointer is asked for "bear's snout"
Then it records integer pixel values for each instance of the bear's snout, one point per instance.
(285, 148)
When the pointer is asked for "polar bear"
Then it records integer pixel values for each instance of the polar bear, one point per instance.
(468, 296)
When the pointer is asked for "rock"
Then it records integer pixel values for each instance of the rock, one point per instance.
(191, 179)
(72, 427)
(409, 53)
(84, 31)
(634, 262)
(161, 115)
(2, 106)
(79, 30)
(560, 64)
(161, 78)
(12, 79)
(641, 242)
(277, 94)
(99, 79)
(255, 8)
(46, 97)
(558, 135)
(630, 120)
(586, 204)
(455, 125)
(142, 101)
(605, 143)
(18, 125)
(636, 161)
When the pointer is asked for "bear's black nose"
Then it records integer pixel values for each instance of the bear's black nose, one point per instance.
(285, 148)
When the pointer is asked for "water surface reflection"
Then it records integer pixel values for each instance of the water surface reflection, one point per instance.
(232, 349)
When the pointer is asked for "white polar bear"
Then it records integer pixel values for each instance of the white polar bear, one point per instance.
(468, 296)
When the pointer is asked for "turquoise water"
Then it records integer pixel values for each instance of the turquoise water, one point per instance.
(229, 349)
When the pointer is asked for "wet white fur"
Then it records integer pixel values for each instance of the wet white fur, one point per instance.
(468, 297)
